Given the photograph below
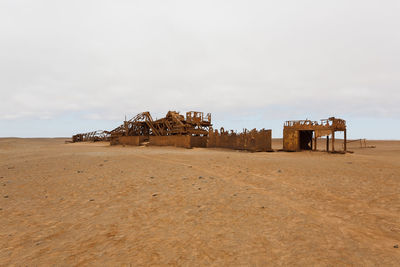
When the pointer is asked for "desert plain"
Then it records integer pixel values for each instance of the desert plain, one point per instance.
(85, 204)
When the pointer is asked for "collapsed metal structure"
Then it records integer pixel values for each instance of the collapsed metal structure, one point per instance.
(94, 136)
(195, 123)
(173, 123)
(303, 134)
(193, 130)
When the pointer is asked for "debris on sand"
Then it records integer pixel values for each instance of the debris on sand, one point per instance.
(154, 195)
(396, 246)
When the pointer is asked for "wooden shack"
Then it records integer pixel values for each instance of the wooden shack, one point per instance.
(303, 134)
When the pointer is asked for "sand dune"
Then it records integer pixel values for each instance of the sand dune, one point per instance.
(93, 204)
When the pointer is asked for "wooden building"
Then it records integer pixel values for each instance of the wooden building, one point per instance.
(303, 134)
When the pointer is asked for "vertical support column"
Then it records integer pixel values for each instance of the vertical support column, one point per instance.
(327, 143)
(333, 141)
(345, 140)
(315, 141)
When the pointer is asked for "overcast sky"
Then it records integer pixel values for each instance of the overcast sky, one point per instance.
(72, 66)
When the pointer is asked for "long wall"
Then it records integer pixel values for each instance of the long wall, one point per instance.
(198, 141)
(171, 140)
(185, 141)
(252, 140)
(127, 140)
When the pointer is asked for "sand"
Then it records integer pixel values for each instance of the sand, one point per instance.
(93, 204)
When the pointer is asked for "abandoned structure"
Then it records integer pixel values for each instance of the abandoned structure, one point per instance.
(303, 134)
(94, 136)
(185, 132)
(255, 141)
(173, 123)
(194, 130)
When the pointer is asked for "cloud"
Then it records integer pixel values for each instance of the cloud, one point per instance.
(285, 59)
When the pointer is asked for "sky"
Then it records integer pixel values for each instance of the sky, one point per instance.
(77, 66)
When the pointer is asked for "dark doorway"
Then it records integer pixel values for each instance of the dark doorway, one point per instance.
(306, 138)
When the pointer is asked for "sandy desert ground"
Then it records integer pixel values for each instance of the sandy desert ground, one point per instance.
(93, 204)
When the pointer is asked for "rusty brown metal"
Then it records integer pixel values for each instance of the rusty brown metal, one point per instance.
(173, 123)
(303, 134)
(247, 140)
(195, 124)
(94, 136)
(193, 130)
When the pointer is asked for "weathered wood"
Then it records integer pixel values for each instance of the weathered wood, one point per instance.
(327, 144)
(296, 134)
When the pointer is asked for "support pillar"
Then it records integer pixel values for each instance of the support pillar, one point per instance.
(333, 141)
(327, 143)
(345, 140)
(315, 141)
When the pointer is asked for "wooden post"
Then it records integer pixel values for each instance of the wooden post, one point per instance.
(315, 141)
(345, 140)
(327, 143)
(333, 141)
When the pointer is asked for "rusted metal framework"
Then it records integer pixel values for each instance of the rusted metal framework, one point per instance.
(140, 125)
(247, 140)
(173, 123)
(195, 130)
(303, 134)
(94, 136)
(195, 124)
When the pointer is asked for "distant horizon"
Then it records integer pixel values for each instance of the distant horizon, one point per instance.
(372, 129)
(273, 138)
(74, 66)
